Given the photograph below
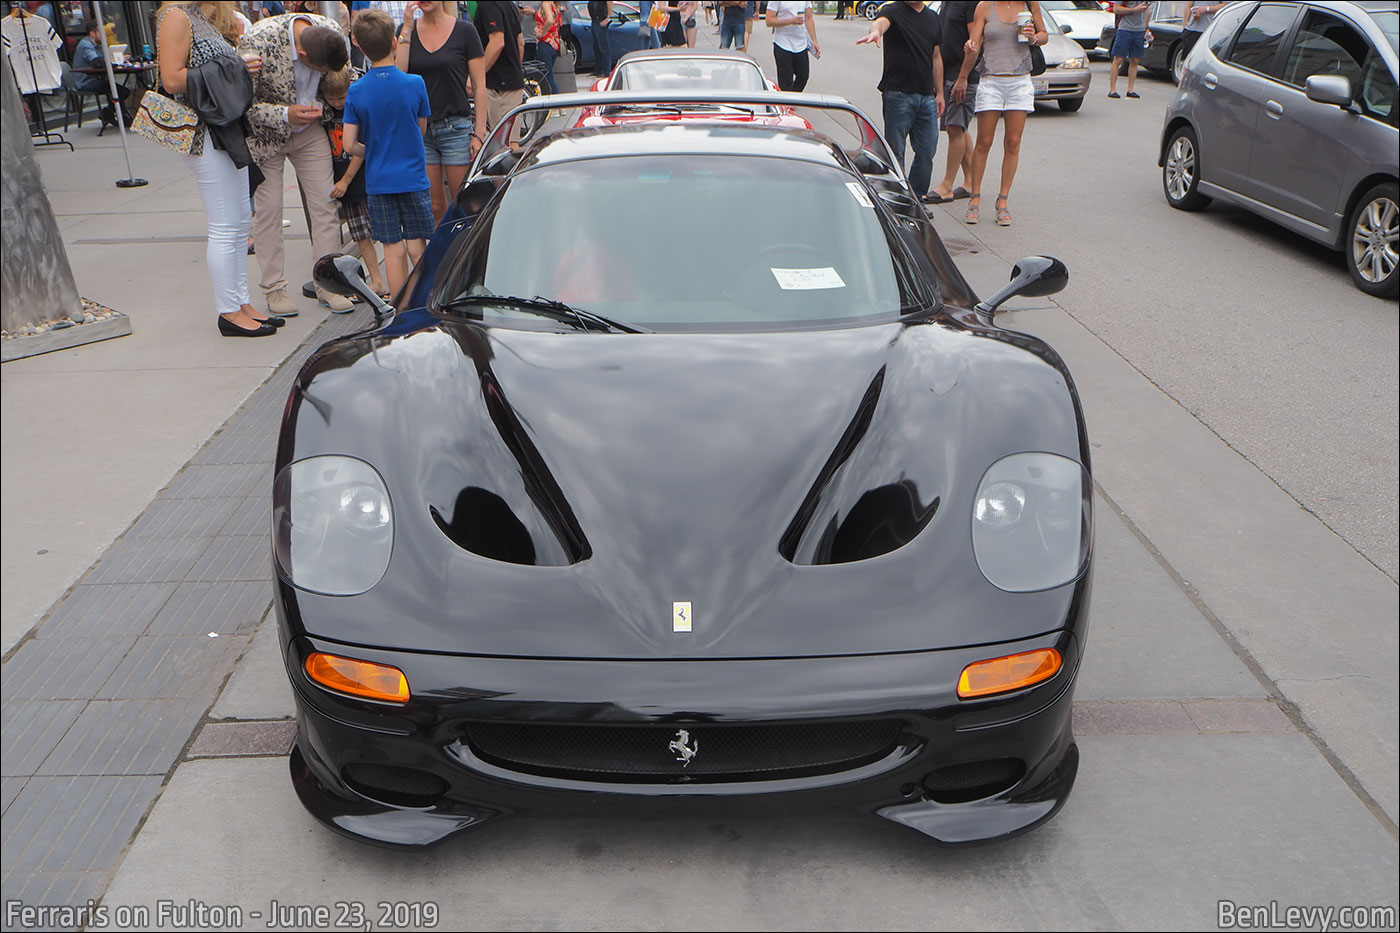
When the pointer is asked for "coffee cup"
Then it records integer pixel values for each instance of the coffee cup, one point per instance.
(1023, 19)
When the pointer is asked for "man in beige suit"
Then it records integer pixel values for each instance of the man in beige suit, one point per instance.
(285, 123)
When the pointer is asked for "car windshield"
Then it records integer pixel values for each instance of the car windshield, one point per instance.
(707, 242)
(666, 74)
(1070, 5)
(1390, 25)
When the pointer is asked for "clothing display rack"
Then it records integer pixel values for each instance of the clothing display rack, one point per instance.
(39, 129)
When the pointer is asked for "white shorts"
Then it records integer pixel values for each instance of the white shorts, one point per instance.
(1005, 92)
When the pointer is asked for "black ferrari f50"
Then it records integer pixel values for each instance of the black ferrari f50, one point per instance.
(693, 478)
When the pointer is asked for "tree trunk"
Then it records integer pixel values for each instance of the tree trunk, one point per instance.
(36, 281)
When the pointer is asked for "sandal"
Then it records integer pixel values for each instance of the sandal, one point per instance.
(972, 209)
(1003, 215)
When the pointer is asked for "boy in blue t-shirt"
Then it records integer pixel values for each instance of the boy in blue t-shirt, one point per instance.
(387, 111)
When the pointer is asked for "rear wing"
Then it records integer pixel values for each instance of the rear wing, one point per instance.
(532, 120)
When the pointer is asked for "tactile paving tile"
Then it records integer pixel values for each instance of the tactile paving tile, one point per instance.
(61, 668)
(156, 560)
(183, 518)
(245, 557)
(30, 730)
(72, 824)
(253, 516)
(226, 608)
(126, 737)
(107, 610)
(174, 667)
(214, 481)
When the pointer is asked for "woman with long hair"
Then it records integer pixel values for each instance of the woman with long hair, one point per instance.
(547, 42)
(999, 41)
(189, 35)
(446, 52)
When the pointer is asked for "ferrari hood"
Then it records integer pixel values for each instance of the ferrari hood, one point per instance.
(682, 495)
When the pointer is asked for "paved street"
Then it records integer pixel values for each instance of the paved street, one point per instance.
(1237, 709)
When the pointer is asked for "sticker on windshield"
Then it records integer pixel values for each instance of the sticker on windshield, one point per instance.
(859, 194)
(799, 279)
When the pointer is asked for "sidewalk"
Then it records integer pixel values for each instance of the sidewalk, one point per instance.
(110, 668)
(93, 433)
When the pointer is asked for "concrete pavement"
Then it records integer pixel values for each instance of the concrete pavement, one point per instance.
(1237, 708)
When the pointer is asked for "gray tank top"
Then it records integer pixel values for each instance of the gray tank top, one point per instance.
(1002, 53)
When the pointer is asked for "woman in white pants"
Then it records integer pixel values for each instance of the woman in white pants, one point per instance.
(188, 35)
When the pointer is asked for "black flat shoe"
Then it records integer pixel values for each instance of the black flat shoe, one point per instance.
(230, 329)
(272, 319)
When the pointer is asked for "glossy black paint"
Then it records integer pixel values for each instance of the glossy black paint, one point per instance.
(810, 494)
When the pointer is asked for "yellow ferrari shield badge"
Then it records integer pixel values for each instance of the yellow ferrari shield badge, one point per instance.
(680, 617)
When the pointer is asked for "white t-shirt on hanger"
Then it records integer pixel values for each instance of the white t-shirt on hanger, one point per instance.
(32, 46)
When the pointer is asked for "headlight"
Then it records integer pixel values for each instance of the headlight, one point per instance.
(1075, 63)
(1031, 522)
(333, 525)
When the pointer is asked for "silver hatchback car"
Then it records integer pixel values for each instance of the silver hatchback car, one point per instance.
(1290, 110)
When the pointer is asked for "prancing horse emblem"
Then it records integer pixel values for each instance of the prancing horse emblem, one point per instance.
(685, 747)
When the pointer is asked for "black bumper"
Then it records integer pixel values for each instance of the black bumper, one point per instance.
(927, 777)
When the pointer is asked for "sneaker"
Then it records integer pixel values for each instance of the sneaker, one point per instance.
(280, 305)
(338, 304)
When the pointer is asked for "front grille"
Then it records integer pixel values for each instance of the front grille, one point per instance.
(718, 752)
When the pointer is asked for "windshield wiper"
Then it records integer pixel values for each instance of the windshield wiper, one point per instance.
(548, 307)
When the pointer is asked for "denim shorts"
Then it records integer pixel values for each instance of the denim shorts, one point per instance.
(449, 141)
(405, 216)
(1128, 44)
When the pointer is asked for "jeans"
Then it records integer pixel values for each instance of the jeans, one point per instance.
(914, 116)
(547, 54)
(224, 191)
(602, 55)
(731, 32)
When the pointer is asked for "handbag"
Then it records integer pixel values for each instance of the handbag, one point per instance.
(1037, 60)
(169, 123)
(658, 17)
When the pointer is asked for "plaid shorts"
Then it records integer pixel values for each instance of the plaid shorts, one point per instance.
(355, 215)
(404, 216)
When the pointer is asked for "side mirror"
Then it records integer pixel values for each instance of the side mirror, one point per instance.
(901, 204)
(1329, 89)
(867, 163)
(345, 275)
(1066, 29)
(501, 163)
(474, 197)
(1034, 277)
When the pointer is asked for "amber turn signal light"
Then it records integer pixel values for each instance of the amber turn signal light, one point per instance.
(1013, 672)
(366, 679)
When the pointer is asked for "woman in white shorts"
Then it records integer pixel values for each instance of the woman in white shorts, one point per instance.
(1002, 49)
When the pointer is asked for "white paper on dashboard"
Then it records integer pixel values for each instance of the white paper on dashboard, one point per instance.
(798, 279)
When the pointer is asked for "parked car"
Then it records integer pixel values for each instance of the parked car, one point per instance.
(586, 530)
(1163, 53)
(687, 69)
(1085, 19)
(870, 8)
(1290, 111)
(622, 33)
(1066, 79)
